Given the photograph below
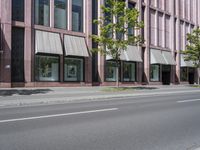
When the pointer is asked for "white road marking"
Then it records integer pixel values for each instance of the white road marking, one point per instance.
(57, 115)
(187, 101)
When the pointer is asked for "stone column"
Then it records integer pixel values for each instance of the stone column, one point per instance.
(6, 30)
(147, 39)
(101, 59)
(139, 68)
(27, 42)
(178, 43)
(173, 40)
(88, 31)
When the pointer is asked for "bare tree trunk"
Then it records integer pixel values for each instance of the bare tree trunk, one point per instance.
(198, 75)
(117, 76)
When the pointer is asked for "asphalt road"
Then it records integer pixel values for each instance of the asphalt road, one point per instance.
(165, 122)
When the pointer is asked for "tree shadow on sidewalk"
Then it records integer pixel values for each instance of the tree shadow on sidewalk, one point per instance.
(23, 92)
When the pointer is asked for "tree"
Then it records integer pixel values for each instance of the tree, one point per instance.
(192, 52)
(115, 27)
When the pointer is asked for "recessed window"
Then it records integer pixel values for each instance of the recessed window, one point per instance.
(111, 71)
(155, 72)
(42, 12)
(47, 68)
(77, 15)
(18, 10)
(73, 69)
(17, 54)
(129, 71)
(60, 14)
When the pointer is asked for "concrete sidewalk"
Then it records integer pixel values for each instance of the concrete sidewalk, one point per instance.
(49, 95)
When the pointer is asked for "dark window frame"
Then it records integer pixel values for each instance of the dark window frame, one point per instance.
(135, 72)
(66, 17)
(181, 74)
(75, 57)
(13, 52)
(105, 70)
(14, 9)
(38, 23)
(80, 10)
(46, 55)
(159, 76)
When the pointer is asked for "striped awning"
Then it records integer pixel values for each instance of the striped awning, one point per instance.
(186, 63)
(131, 54)
(48, 42)
(157, 57)
(168, 58)
(75, 46)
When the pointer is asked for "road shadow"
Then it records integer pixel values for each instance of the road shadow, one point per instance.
(120, 89)
(23, 92)
(145, 88)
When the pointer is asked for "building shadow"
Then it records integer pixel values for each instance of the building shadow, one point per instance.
(23, 92)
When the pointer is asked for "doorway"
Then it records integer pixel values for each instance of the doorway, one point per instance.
(191, 75)
(17, 61)
(166, 74)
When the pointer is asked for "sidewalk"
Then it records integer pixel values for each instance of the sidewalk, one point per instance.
(52, 95)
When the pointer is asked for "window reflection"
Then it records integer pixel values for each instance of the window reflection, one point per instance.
(77, 15)
(129, 71)
(47, 68)
(60, 14)
(42, 12)
(18, 10)
(155, 72)
(73, 69)
(110, 71)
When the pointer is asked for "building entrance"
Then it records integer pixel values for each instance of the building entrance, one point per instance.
(166, 74)
(17, 62)
(191, 75)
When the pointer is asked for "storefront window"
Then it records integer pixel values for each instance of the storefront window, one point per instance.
(60, 14)
(42, 12)
(155, 72)
(47, 68)
(129, 71)
(73, 69)
(18, 10)
(110, 71)
(77, 15)
(184, 74)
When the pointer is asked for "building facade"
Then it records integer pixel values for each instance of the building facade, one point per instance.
(47, 43)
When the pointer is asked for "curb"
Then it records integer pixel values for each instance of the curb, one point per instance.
(49, 101)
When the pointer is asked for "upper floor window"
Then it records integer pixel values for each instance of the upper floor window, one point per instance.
(60, 14)
(18, 10)
(77, 15)
(131, 30)
(42, 12)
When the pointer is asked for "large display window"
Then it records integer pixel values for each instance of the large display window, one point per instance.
(73, 69)
(46, 68)
(184, 74)
(155, 72)
(111, 70)
(129, 72)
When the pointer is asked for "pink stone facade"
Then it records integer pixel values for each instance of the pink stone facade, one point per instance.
(166, 23)
(29, 44)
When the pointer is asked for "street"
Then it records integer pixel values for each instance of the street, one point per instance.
(149, 122)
